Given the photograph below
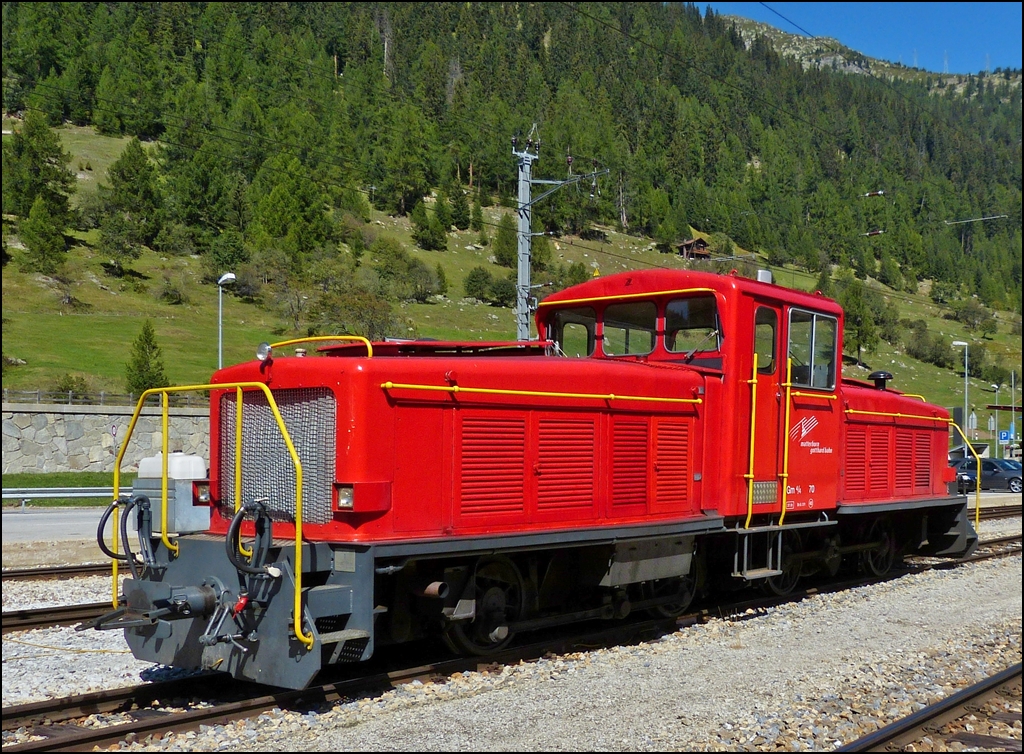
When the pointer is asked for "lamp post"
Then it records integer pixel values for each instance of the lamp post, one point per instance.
(226, 279)
(963, 344)
(996, 388)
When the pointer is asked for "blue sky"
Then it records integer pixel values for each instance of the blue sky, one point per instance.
(963, 33)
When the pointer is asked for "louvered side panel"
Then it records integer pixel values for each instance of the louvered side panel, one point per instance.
(672, 465)
(922, 461)
(905, 461)
(565, 465)
(629, 463)
(492, 469)
(880, 465)
(856, 461)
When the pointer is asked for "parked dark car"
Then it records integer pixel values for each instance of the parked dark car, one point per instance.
(996, 474)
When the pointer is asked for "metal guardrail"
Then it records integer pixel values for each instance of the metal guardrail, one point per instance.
(31, 493)
(73, 398)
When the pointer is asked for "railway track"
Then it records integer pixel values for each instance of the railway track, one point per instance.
(185, 704)
(25, 620)
(60, 615)
(55, 572)
(937, 723)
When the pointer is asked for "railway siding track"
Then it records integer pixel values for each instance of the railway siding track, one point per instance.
(157, 708)
(984, 701)
(45, 617)
(69, 615)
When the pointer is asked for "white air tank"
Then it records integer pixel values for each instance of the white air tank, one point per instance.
(182, 516)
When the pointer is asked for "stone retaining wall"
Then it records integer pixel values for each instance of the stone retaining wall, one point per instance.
(48, 438)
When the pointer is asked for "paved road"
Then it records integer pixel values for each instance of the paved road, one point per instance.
(51, 524)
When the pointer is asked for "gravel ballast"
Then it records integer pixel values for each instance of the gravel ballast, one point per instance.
(804, 676)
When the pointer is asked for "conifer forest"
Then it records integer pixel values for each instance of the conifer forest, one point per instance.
(265, 132)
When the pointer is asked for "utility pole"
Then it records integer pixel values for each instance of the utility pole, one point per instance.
(526, 158)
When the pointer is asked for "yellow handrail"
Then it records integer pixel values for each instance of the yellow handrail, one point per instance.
(536, 393)
(164, 406)
(750, 466)
(307, 639)
(914, 395)
(823, 396)
(977, 474)
(785, 439)
(649, 294)
(320, 338)
(898, 416)
(238, 464)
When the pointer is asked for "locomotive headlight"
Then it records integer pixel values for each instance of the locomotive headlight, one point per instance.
(346, 497)
(200, 493)
(263, 351)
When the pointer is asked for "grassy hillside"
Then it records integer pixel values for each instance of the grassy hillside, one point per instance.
(93, 339)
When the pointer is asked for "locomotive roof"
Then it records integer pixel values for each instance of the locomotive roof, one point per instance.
(654, 282)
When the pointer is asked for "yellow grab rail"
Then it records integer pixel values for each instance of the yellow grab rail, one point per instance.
(785, 440)
(897, 415)
(536, 393)
(618, 296)
(321, 338)
(238, 464)
(750, 465)
(307, 639)
(977, 474)
(914, 395)
(823, 396)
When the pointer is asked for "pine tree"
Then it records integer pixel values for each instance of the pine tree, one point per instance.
(145, 367)
(478, 283)
(35, 164)
(133, 191)
(121, 240)
(460, 209)
(477, 220)
(442, 280)
(43, 239)
(505, 242)
(443, 211)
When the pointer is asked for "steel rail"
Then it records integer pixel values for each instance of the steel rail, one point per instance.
(895, 736)
(60, 615)
(152, 721)
(55, 572)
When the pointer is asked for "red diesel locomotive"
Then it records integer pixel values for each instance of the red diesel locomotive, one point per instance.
(671, 433)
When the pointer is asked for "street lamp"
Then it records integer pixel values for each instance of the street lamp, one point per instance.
(226, 279)
(996, 388)
(963, 344)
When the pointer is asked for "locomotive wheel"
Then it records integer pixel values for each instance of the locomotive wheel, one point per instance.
(683, 586)
(786, 581)
(879, 560)
(499, 601)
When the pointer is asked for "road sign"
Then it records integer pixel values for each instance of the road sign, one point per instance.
(1004, 436)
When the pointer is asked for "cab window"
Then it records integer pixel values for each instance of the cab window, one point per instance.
(812, 347)
(629, 328)
(691, 324)
(766, 325)
(575, 331)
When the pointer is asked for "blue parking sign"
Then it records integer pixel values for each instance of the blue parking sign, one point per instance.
(1004, 436)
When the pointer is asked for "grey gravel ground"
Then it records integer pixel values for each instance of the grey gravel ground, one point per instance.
(799, 677)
